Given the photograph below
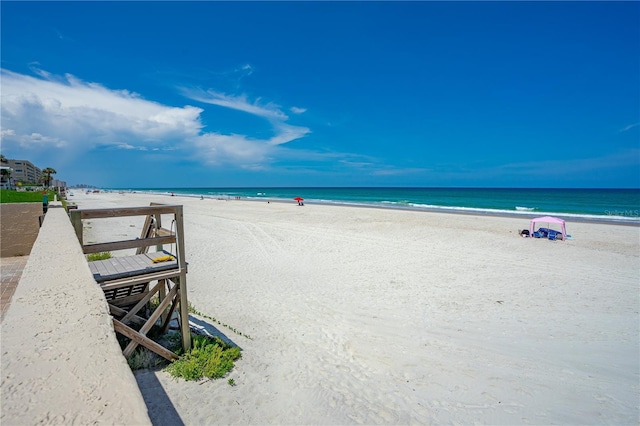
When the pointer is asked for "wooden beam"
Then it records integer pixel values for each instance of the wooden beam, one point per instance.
(152, 319)
(182, 280)
(126, 301)
(158, 218)
(146, 233)
(127, 211)
(119, 311)
(164, 232)
(143, 340)
(161, 295)
(166, 321)
(121, 245)
(141, 303)
(124, 282)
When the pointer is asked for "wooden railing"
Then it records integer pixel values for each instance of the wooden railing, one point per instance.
(152, 235)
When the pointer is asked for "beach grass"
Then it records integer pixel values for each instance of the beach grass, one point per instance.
(210, 358)
(91, 257)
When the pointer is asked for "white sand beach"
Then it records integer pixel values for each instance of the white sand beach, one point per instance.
(374, 316)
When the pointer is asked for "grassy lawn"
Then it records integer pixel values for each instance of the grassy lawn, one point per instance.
(8, 196)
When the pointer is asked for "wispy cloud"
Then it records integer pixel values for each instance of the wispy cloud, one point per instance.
(68, 115)
(283, 132)
(239, 103)
(629, 127)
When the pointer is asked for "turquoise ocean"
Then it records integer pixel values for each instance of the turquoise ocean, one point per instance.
(602, 205)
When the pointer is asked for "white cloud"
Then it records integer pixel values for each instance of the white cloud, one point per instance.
(68, 112)
(219, 149)
(247, 69)
(67, 115)
(297, 110)
(283, 132)
(287, 133)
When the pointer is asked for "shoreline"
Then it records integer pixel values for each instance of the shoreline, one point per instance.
(570, 217)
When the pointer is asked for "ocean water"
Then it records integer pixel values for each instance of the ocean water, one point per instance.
(610, 205)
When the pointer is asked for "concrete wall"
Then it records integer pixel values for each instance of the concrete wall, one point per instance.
(61, 362)
(19, 228)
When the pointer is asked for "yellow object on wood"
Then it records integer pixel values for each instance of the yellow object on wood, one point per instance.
(162, 259)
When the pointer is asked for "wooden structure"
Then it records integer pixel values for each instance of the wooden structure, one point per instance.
(129, 282)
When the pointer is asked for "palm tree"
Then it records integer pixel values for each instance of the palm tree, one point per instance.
(5, 172)
(48, 172)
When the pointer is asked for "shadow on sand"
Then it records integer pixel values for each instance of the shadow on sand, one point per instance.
(159, 406)
(201, 326)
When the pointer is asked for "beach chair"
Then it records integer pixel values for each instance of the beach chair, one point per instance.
(130, 282)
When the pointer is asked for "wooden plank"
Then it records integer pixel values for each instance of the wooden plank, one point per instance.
(143, 340)
(167, 320)
(129, 266)
(123, 282)
(146, 233)
(127, 244)
(159, 310)
(158, 218)
(184, 312)
(97, 268)
(111, 266)
(127, 301)
(141, 303)
(163, 232)
(152, 319)
(140, 263)
(119, 311)
(162, 293)
(182, 280)
(127, 211)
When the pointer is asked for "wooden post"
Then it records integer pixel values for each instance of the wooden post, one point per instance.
(158, 217)
(161, 295)
(76, 222)
(182, 280)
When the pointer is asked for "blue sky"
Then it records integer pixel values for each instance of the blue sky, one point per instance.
(498, 94)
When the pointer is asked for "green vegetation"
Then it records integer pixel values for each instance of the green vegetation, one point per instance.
(91, 257)
(211, 358)
(143, 358)
(192, 310)
(9, 196)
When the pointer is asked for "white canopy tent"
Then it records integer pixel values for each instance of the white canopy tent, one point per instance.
(548, 220)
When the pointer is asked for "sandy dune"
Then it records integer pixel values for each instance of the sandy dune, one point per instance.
(359, 315)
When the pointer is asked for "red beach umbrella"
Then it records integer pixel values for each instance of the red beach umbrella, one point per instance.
(298, 198)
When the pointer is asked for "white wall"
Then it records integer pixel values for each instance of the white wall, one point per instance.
(61, 362)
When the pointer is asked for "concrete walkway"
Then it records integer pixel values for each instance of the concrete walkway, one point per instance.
(10, 273)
